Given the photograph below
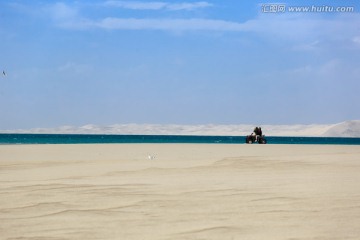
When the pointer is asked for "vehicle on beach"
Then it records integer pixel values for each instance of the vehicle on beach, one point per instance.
(256, 139)
(256, 136)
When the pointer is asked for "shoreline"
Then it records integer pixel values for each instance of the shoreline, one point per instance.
(164, 139)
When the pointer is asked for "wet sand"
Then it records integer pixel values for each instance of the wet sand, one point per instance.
(184, 191)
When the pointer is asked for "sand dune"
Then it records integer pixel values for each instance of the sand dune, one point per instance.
(186, 192)
(344, 129)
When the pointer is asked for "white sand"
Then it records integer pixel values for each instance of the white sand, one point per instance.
(343, 129)
(188, 191)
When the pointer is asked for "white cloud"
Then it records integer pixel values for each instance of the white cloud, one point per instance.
(301, 27)
(303, 30)
(314, 45)
(137, 5)
(356, 40)
(74, 68)
(63, 11)
(168, 24)
(66, 16)
(188, 6)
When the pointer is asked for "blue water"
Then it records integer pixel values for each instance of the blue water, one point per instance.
(96, 138)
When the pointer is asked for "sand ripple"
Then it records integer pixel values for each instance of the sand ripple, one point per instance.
(213, 192)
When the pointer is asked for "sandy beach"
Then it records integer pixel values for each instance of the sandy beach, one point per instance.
(183, 191)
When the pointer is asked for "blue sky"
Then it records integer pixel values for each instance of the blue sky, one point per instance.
(176, 62)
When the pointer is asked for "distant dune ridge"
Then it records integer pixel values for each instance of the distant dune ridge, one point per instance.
(344, 129)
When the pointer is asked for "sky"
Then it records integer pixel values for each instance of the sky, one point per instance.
(178, 62)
